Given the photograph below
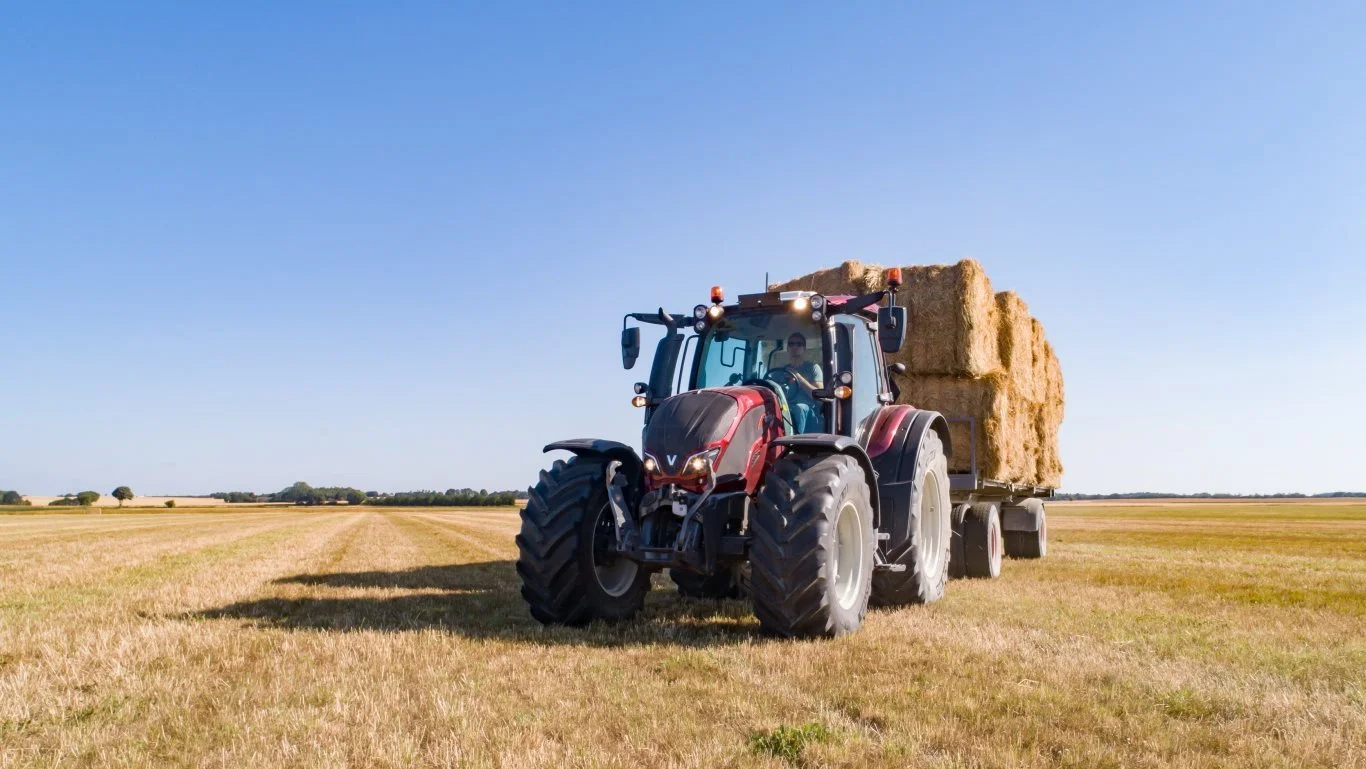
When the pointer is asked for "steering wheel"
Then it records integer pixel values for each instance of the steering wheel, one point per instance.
(781, 376)
(776, 389)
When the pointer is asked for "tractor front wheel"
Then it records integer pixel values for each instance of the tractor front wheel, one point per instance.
(812, 547)
(570, 572)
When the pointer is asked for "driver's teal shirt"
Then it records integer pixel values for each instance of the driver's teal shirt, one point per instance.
(811, 372)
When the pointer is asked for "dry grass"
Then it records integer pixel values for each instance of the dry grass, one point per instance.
(1220, 636)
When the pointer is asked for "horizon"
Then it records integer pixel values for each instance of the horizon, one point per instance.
(393, 249)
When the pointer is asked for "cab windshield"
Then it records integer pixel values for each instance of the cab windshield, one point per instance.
(784, 351)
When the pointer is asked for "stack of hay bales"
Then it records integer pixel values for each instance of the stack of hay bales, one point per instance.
(971, 353)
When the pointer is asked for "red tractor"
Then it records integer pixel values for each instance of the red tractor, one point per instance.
(776, 464)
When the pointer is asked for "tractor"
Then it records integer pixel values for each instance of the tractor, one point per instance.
(776, 465)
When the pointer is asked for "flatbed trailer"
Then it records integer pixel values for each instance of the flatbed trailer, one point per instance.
(993, 518)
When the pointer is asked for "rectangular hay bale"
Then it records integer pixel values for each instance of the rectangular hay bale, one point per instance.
(1003, 427)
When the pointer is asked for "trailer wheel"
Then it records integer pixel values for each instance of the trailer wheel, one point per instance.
(1026, 527)
(925, 553)
(982, 544)
(956, 570)
(569, 573)
(812, 550)
(722, 584)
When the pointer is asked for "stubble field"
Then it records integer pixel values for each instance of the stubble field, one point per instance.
(1221, 635)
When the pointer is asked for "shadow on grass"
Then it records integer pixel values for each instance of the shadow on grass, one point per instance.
(481, 600)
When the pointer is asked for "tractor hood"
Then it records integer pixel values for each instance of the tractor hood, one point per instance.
(728, 418)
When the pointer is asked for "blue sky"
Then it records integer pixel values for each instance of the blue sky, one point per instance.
(389, 245)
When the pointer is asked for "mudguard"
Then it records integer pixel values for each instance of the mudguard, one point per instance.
(813, 443)
(895, 467)
(631, 462)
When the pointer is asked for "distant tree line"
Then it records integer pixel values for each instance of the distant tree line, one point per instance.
(448, 498)
(299, 493)
(12, 498)
(303, 494)
(79, 499)
(1208, 495)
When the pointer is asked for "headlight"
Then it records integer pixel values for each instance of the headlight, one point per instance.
(701, 462)
(800, 303)
(817, 302)
(699, 312)
(700, 326)
(650, 464)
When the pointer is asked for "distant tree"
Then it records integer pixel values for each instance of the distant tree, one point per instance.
(11, 498)
(87, 498)
(123, 494)
(355, 497)
(170, 503)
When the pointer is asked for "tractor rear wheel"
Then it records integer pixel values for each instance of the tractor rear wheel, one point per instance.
(925, 553)
(982, 544)
(570, 574)
(812, 548)
(691, 584)
(1027, 544)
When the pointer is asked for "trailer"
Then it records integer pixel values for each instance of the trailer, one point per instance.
(993, 518)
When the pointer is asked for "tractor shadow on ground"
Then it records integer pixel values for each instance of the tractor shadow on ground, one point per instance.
(479, 600)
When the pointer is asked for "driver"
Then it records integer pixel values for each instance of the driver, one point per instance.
(803, 377)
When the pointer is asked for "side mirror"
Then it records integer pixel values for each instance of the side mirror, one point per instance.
(630, 346)
(891, 328)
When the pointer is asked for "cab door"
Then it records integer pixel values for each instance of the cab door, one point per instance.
(858, 355)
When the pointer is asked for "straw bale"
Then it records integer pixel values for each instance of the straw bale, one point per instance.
(952, 318)
(848, 279)
(1048, 422)
(1015, 344)
(1006, 438)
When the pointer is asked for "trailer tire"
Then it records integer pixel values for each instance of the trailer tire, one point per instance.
(926, 552)
(956, 570)
(982, 542)
(813, 546)
(1026, 543)
(567, 577)
(720, 585)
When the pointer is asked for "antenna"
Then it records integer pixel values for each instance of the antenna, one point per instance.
(765, 291)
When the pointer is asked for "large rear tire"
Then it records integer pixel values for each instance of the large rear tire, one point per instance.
(720, 585)
(982, 544)
(569, 574)
(812, 549)
(1027, 544)
(925, 553)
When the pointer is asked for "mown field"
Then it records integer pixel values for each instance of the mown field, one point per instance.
(1229, 635)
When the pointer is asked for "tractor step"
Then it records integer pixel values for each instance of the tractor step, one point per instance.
(889, 567)
(883, 536)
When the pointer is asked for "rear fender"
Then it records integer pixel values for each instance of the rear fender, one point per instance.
(895, 464)
(827, 443)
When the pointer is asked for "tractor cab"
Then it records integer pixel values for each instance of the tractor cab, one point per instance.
(820, 357)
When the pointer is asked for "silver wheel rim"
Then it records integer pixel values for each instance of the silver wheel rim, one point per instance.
(615, 574)
(849, 554)
(932, 525)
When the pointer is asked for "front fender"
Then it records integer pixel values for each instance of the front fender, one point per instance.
(813, 443)
(630, 461)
